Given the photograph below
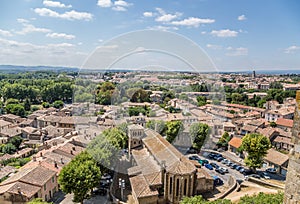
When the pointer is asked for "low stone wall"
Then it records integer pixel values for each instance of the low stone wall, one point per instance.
(264, 183)
(232, 186)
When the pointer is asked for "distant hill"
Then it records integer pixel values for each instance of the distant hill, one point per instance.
(17, 68)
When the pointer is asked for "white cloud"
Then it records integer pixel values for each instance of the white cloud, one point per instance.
(69, 15)
(62, 54)
(167, 17)
(55, 4)
(160, 11)
(242, 18)
(224, 33)
(22, 20)
(60, 35)
(104, 3)
(193, 22)
(240, 51)
(119, 8)
(203, 32)
(148, 14)
(122, 3)
(28, 28)
(5, 33)
(163, 28)
(214, 47)
(292, 49)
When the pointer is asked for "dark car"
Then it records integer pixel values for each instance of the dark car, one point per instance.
(203, 161)
(194, 157)
(191, 151)
(248, 172)
(219, 170)
(271, 170)
(211, 155)
(217, 181)
(214, 165)
(255, 176)
(233, 166)
(100, 191)
(241, 170)
(238, 167)
(208, 166)
(220, 159)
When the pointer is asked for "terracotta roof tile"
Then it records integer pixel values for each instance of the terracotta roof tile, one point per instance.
(285, 122)
(235, 142)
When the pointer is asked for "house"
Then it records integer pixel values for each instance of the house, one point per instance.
(11, 132)
(4, 125)
(269, 132)
(276, 160)
(31, 133)
(246, 129)
(27, 184)
(205, 182)
(284, 124)
(11, 118)
(234, 144)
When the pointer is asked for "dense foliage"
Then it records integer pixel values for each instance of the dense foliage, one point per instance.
(198, 133)
(80, 176)
(173, 128)
(257, 146)
(261, 198)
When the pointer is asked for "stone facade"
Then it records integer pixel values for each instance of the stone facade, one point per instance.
(292, 187)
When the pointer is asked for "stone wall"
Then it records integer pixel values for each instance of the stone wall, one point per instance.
(292, 186)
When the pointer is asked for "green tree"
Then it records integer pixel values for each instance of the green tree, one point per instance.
(263, 198)
(11, 101)
(16, 109)
(38, 201)
(223, 141)
(157, 125)
(80, 176)
(58, 104)
(46, 105)
(200, 200)
(16, 141)
(9, 148)
(198, 133)
(273, 124)
(104, 93)
(201, 100)
(27, 104)
(257, 146)
(173, 128)
(276, 85)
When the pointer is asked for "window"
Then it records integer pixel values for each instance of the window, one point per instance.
(185, 187)
(171, 185)
(52, 179)
(177, 187)
(44, 186)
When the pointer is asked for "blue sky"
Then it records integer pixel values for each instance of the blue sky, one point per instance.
(236, 34)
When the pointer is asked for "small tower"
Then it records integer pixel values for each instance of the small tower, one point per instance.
(253, 74)
(292, 184)
(135, 135)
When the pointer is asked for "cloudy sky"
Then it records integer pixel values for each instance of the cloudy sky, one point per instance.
(235, 34)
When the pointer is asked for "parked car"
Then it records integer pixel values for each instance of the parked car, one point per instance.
(224, 169)
(106, 176)
(220, 159)
(247, 172)
(220, 170)
(217, 181)
(208, 166)
(214, 165)
(203, 161)
(225, 161)
(242, 170)
(229, 163)
(271, 170)
(255, 176)
(194, 157)
(211, 155)
(265, 175)
(233, 166)
(100, 191)
(238, 167)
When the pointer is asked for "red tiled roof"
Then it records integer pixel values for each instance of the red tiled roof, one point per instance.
(235, 142)
(285, 122)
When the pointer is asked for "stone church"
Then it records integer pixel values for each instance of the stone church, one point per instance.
(159, 172)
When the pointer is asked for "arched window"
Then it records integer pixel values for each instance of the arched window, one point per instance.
(171, 184)
(177, 187)
(185, 187)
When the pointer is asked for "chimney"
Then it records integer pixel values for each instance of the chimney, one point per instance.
(61, 161)
(71, 152)
(73, 148)
(41, 154)
(19, 189)
(55, 164)
(34, 158)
